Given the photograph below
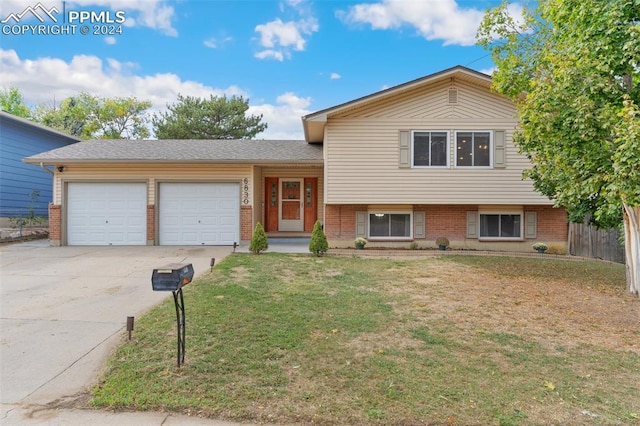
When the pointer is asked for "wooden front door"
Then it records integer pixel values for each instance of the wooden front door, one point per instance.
(291, 214)
(283, 213)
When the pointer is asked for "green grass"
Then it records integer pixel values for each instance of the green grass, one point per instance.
(285, 338)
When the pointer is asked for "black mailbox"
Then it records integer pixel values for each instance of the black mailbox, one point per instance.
(172, 277)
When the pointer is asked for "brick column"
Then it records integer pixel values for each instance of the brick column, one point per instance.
(246, 223)
(151, 225)
(55, 224)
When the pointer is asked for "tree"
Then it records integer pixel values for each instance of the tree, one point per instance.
(318, 244)
(213, 118)
(573, 69)
(259, 241)
(71, 116)
(88, 116)
(121, 118)
(12, 102)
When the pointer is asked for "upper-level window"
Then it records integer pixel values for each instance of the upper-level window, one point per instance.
(430, 149)
(473, 149)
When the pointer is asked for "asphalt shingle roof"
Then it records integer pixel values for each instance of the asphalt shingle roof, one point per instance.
(231, 151)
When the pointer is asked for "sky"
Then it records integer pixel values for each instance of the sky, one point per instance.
(289, 58)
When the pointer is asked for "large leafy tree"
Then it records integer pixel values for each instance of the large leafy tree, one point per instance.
(11, 101)
(213, 118)
(573, 69)
(88, 116)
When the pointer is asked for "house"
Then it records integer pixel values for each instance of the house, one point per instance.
(25, 189)
(428, 158)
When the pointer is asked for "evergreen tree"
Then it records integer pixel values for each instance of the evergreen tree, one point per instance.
(213, 118)
(318, 244)
(259, 241)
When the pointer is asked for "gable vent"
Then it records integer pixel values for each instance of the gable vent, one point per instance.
(453, 96)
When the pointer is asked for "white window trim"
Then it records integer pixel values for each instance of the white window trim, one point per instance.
(501, 212)
(455, 149)
(374, 238)
(448, 148)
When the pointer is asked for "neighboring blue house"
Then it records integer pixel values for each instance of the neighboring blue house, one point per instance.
(20, 138)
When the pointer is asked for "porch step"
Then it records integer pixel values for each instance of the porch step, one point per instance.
(289, 240)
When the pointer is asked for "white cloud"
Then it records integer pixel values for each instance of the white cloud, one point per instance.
(154, 14)
(271, 54)
(48, 80)
(294, 3)
(434, 20)
(211, 43)
(279, 36)
(215, 43)
(110, 40)
(489, 71)
(284, 119)
(335, 76)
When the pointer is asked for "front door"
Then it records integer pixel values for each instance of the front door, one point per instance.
(291, 212)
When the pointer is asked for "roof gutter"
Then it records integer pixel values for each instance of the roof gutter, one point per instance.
(43, 167)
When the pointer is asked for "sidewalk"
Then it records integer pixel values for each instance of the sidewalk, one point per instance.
(38, 415)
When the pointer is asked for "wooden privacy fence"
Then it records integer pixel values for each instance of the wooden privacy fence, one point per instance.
(589, 241)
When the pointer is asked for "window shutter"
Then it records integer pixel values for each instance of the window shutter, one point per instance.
(499, 156)
(361, 224)
(419, 228)
(472, 224)
(530, 224)
(405, 149)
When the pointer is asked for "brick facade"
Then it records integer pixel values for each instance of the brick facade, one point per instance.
(151, 225)
(340, 221)
(552, 223)
(55, 224)
(449, 221)
(246, 222)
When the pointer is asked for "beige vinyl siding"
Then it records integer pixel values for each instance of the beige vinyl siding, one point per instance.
(362, 150)
(362, 168)
(432, 102)
(151, 174)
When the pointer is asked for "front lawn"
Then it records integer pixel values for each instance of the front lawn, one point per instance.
(437, 340)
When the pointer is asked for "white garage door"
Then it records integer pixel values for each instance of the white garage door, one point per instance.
(199, 213)
(106, 214)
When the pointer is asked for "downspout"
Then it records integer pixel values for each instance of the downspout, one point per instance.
(46, 169)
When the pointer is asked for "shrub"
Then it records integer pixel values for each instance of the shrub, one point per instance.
(442, 242)
(259, 241)
(318, 244)
(360, 242)
(540, 247)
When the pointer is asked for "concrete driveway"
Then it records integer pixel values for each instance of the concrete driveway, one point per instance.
(64, 309)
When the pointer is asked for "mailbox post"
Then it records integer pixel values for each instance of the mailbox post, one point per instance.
(172, 278)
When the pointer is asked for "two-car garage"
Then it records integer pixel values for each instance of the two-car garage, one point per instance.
(188, 213)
